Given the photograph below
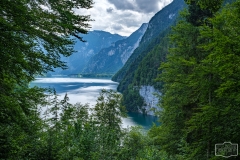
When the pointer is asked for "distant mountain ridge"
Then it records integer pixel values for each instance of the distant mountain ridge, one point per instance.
(111, 59)
(95, 41)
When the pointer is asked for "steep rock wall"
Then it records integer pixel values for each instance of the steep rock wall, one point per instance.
(149, 94)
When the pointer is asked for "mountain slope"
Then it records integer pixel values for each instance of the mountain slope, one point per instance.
(139, 94)
(111, 59)
(137, 76)
(95, 41)
(161, 21)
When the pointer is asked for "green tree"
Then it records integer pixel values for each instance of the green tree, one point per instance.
(200, 87)
(133, 142)
(179, 93)
(68, 131)
(33, 36)
(217, 117)
(107, 115)
(76, 132)
(200, 10)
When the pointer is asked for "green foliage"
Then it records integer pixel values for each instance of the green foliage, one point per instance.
(200, 10)
(132, 100)
(32, 40)
(147, 70)
(220, 66)
(107, 115)
(181, 87)
(200, 87)
(19, 121)
(138, 145)
(78, 132)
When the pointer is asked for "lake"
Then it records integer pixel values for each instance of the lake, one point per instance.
(86, 90)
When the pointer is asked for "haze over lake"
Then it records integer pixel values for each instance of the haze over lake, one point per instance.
(86, 90)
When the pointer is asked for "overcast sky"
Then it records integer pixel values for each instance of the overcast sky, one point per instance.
(122, 16)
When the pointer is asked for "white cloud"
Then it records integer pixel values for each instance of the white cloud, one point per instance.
(122, 17)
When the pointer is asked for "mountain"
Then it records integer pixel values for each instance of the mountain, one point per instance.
(137, 75)
(111, 59)
(95, 41)
(159, 22)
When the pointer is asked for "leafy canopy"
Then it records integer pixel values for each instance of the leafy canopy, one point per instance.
(34, 34)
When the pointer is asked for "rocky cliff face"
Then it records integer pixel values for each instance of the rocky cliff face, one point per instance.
(111, 59)
(150, 96)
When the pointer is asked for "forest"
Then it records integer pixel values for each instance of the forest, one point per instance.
(198, 75)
